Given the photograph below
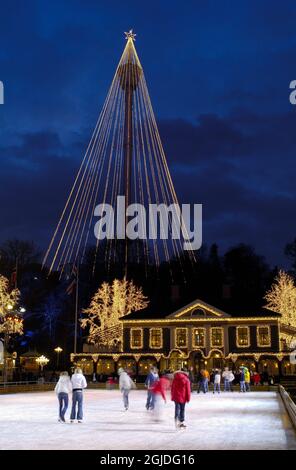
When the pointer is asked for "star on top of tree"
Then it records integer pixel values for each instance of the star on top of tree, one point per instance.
(130, 35)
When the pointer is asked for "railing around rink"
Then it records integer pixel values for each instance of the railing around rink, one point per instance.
(289, 404)
(25, 386)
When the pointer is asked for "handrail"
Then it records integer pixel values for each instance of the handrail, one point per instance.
(289, 404)
(25, 382)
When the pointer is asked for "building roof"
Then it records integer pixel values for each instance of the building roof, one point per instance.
(30, 354)
(152, 312)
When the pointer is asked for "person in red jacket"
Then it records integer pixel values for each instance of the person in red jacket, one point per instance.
(159, 389)
(180, 393)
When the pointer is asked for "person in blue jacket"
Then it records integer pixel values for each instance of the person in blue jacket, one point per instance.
(152, 377)
(242, 380)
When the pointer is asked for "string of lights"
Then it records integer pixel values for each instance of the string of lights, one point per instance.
(124, 157)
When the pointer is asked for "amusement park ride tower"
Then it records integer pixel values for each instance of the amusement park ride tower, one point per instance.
(124, 157)
(129, 74)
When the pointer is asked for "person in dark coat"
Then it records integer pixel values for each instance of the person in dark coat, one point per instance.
(180, 393)
(152, 377)
(199, 381)
(191, 377)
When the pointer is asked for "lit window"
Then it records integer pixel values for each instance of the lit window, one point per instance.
(181, 337)
(216, 337)
(136, 338)
(199, 337)
(242, 336)
(156, 338)
(263, 336)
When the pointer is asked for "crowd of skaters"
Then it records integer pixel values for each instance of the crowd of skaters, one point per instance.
(157, 386)
(227, 377)
(180, 384)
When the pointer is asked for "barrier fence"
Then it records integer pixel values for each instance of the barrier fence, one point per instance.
(289, 404)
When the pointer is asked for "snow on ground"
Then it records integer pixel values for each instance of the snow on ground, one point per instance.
(255, 420)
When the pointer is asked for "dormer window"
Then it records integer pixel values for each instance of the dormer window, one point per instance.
(198, 312)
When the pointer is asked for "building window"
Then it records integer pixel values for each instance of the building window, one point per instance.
(155, 338)
(216, 337)
(181, 335)
(242, 336)
(136, 338)
(198, 312)
(199, 337)
(263, 336)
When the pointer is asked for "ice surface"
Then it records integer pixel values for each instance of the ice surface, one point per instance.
(255, 420)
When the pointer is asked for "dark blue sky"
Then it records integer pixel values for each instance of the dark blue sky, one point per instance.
(218, 75)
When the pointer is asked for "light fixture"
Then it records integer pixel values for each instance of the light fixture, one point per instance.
(42, 361)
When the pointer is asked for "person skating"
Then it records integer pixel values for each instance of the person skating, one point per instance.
(225, 376)
(199, 380)
(256, 378)
(125, 386)
(180, 394)
(152, 377)
(205, 380)
(265, 377)
(247, 379)
(231, 379)
(242, 379)
(191, 377)
(217, 380)
(159, 389)
(78, 385)
(62, 390)
(228, 379)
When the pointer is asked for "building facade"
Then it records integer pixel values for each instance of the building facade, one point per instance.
(197, 335)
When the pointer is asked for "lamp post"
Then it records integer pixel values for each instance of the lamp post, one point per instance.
(58, 350)
(42, 361)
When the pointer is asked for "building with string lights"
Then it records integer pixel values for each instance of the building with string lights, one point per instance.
(199, 336)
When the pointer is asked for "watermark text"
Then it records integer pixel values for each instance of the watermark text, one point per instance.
(1, 93)
(162, 222)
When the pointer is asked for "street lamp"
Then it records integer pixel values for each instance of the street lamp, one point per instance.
(58, 350)
(42, 361)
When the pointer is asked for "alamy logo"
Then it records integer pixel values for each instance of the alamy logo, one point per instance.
(162, 222)
(1, 93)
(292, 96)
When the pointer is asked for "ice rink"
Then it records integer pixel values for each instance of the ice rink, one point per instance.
(255, 420)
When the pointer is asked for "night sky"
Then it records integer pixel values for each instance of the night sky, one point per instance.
(218, 73)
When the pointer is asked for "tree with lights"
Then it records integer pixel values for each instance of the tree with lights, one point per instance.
(282, 298)
(108, 305)
(11, 322)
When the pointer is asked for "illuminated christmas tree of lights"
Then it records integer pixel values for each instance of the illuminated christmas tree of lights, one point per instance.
(124, 157)
(108, 305)
(282, 298)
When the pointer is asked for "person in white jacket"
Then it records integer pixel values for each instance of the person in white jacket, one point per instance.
(78, 384)
(62, 389)
(228, 379)
(125, 386)
(217, 380)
